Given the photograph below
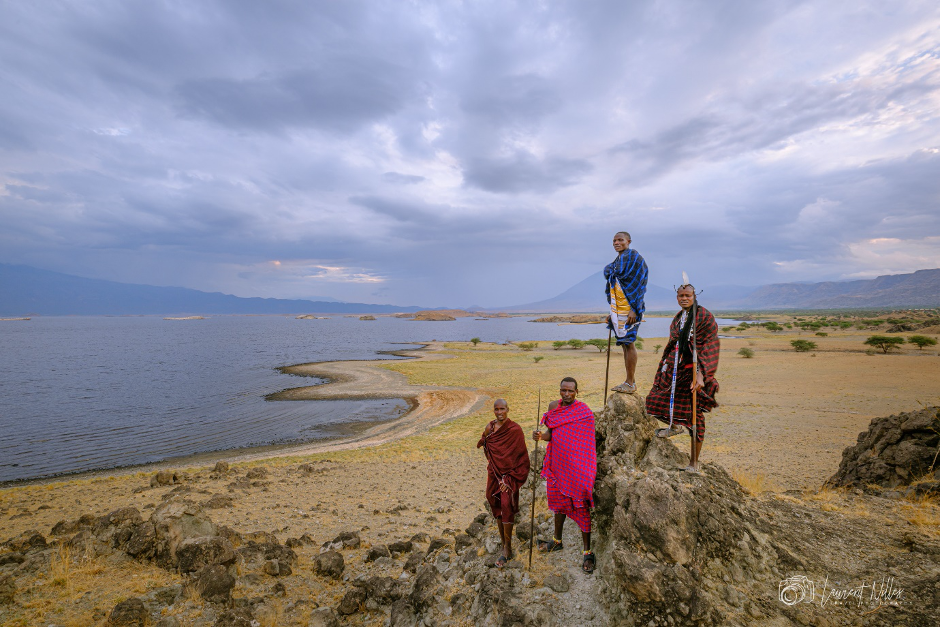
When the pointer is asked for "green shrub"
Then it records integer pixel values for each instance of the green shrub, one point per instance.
(821, 334)
(922, 341)
(528, 346)
(639, 344)
(772, 326)
(657, 348)
(475, 341)
(600, 344)
(537, 359)
(885, 343)
(576, 344)
(558, 344)
(803, 346)
(747, 353)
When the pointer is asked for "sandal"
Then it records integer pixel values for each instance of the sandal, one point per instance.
(549, 547)
(669, 432)
(501, 561)
(625, 388)
(588, 563)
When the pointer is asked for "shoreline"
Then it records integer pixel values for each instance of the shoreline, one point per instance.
(429, 406)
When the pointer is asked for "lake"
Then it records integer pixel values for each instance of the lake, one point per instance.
(90, 393)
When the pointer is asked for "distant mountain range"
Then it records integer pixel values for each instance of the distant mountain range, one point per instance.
(25, 290)
(916, 290)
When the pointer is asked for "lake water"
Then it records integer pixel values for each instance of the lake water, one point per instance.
(88, 393)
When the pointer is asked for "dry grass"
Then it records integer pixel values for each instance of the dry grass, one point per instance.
(754, 483)
(923, 512)
(828, 498)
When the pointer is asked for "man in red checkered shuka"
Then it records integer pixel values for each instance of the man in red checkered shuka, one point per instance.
(569, 466)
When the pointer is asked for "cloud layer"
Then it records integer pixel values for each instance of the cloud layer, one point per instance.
(467, 153)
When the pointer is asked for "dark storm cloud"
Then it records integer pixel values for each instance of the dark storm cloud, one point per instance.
(442, 149)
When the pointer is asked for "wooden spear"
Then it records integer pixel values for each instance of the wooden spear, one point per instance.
(693, 457)
(532, 508)
(607, 368)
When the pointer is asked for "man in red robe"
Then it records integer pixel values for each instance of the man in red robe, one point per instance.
(671, 398)
(507, 469)
(570, 466)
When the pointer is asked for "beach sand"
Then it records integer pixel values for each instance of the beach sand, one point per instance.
(783, 421)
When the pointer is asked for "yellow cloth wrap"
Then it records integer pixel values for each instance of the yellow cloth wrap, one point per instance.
(621, 306)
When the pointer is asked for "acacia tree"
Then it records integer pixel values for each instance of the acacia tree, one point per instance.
(803, 346)
(922, 341)
(885, 343)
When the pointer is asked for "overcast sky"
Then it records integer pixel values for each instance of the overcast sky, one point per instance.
(458, 153)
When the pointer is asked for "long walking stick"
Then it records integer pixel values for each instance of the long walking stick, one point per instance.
(532, 509)
(607, 368)
(693, 458)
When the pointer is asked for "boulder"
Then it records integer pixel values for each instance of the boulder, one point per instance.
(374, 553)
(383, 590)
(221, 468)
(895, 451)
(219, 501)
(174, 522)
(352, 601)
(195, 553)
(142, 542)
(346, 540)
(258, 472)
(402, 546)
(164, 477)
(128, 613)
(27, 541)
(329, 564)
(423, 590)
(214, 583)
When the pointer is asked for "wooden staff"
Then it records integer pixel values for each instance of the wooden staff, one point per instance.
(607, 368)
(532, 509)
(693, 458)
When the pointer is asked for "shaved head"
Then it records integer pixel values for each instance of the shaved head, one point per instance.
(501, 401)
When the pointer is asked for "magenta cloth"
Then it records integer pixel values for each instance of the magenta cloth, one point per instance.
(570, 462)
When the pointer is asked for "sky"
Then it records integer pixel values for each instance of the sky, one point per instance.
(459, 153)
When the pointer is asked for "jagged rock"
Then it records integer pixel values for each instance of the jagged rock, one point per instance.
(352, 601)
(475, 529)
(67, 527)
(462, 541)
(324, 617)
(276, 568)
(219, 501)
(163, 597)
(221, 468)
(346, 540)
(423, 590)
(234, 537)
(384, 590)
(7, 589)
(164, 477)
(894, 451)
(215, 583)
(27, 541)
(421, 537)
(259, 472)
(236, 617)
(374, 553)
(261, 537)
(414, 561)
(402, 546)
(142, 542)
(14, 557)
(128, 613)
(436, 544)
(168, 621)
(401, 614)
(174, 522)
(329, 564)
(195, 553)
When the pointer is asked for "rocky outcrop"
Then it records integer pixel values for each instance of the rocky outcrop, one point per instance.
(895, 451)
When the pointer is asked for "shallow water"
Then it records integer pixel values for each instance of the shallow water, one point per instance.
(86, 393)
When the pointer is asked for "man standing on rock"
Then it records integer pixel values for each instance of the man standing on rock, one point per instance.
(626, 285)
(671, 398)
(569, 466)
(507, 469)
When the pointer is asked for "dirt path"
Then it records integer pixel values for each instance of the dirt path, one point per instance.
(431, 405)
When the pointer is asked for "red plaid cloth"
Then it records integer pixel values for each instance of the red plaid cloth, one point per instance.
(561, 504)
(658, 400)
(570, 463)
